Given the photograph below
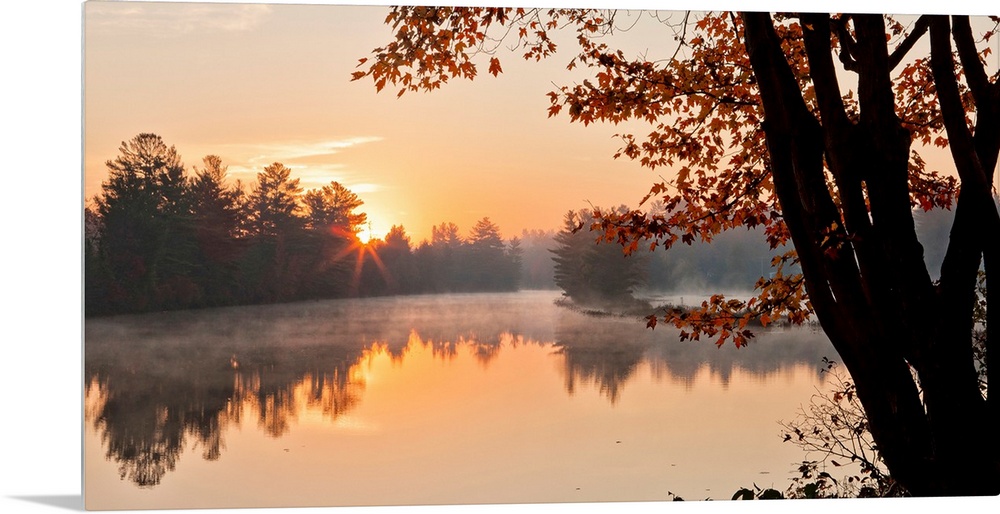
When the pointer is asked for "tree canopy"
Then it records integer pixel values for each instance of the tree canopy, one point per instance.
(594, 275)
(157, 238)
(812, 126)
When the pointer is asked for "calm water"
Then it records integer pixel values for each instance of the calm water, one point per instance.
(480, 398)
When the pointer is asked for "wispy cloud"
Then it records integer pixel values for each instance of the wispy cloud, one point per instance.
(175, 19)
(314, 163)
(304, 152)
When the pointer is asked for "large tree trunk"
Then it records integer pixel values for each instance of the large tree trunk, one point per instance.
(864, 267)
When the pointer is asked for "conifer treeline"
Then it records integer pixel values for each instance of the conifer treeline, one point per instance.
(157, 238)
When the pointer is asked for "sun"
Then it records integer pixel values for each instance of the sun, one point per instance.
(368, 233)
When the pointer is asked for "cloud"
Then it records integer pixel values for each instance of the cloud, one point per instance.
(174, 19)
(311, 155)
(306, 152)
(314, 163)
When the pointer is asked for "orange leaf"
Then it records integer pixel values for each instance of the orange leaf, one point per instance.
(495, 68)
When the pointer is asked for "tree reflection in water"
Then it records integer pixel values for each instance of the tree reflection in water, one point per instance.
(148, 404)
(158, 383)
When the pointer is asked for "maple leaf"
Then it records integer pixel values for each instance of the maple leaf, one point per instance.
(495, 66)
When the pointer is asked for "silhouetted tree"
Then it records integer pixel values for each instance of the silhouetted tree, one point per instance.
(272, 205)
(272, 265)
(216, 213)
(486, 263)
(332, 225)
(332, 208)
(591, 273)
(401, 273)
(443, 258)
(515, 261)
(145, 240)
(96, 278)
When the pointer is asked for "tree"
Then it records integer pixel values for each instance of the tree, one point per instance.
(332, 208)
(446, 235)
(488, 265)
(144, 232)
(215, 208)
(752, 118)
(401, 270)
(333, 227)
(95, 273)
(593, 274)
(215, 205)
(515, 262)
(443, 258)
(272, 268)
(272, 205)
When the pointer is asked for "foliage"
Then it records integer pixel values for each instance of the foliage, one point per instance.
(593, 274)
(332, 208)
(834, 427)
(141, 252)
(490, 263)
(272, 205)
(758, 494)
(751, 120)
(158, 239)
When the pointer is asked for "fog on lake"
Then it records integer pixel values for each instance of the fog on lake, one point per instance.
(437, 399)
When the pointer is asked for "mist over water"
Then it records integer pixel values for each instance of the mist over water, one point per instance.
(500, 397)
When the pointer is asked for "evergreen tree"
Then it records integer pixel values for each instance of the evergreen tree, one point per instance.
(333, 225)
(444, 259)
(398, 259)
(272, 266)
(593, 273)
(272, 206)
(486, 263)
(216, 214)
(515, 262)
(145, 232)
(332, 208)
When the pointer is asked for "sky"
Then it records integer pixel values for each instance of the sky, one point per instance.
(257, 84)
(263, 83)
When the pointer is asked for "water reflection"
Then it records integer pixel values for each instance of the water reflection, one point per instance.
(607, 352)
(599, 351)
(157, 384)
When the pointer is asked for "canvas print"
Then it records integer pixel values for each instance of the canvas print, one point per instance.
(340, 255)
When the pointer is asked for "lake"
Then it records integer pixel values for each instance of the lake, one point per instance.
(440, 399)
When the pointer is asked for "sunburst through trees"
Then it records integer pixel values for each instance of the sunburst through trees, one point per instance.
(159, 239)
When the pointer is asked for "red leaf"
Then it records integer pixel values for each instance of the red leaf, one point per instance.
(495, 68)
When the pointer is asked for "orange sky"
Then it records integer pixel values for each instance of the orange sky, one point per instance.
(263, 83)
(257, 84)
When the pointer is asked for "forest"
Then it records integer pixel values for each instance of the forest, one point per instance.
(156, 238)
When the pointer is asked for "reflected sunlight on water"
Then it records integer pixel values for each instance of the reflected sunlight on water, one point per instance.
(475, 402)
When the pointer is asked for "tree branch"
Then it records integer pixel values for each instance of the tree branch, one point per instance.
(972, 67)
(848, 47)
(795, 149)
(952, 110)
(918, 31)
